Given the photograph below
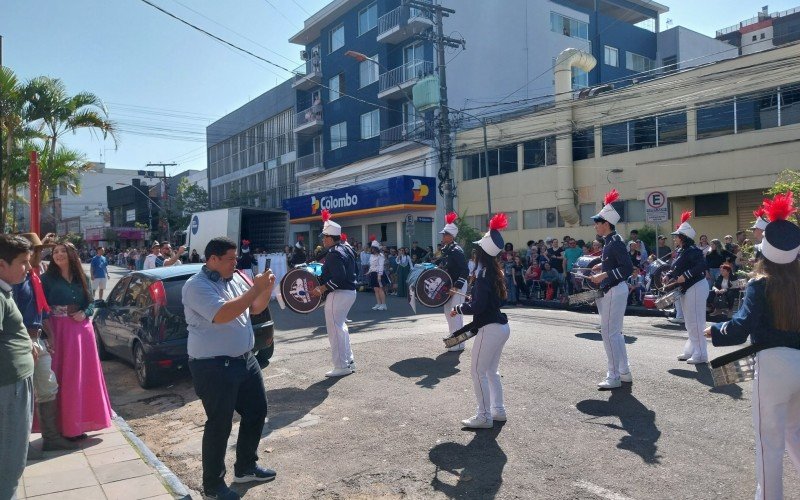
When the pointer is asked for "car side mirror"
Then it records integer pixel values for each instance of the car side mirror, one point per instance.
(99, 303)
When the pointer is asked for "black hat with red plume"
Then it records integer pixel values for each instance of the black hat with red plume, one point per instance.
(492, 242)
(781, 242)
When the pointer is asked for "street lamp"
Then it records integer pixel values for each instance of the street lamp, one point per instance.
(149, 205)
(358, 56)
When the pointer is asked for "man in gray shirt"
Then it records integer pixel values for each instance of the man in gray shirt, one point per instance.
(225, 373)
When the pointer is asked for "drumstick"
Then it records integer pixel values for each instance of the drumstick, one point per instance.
(466, 296)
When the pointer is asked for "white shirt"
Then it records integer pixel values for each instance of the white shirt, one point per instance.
(150, 262)
(376, 263)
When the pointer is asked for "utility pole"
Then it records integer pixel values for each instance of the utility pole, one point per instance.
(2, 154)
(445, 175)
(165, 192)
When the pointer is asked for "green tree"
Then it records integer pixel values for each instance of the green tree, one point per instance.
(466, 235)
(190, 198)
(788, 180)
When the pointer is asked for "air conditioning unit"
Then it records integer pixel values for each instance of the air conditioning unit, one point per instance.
(303, 55)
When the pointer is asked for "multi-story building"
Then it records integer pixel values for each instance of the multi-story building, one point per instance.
(764, 31)
(710, 138)
(251, 152)
(358, 114)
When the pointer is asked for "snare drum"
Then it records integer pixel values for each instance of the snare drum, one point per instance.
(734, 367)
(580, 272)
(431, 286)
(667, 300)
(296, 285)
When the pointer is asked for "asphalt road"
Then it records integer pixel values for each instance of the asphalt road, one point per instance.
(392, 429)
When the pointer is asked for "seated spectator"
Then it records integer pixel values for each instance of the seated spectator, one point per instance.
(533, 279)
(553, 280)
(634, 253)
(519, 279)
(635, 287)
(716, 257)
(724, 292)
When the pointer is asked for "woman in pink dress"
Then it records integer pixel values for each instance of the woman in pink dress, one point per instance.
(82, 397)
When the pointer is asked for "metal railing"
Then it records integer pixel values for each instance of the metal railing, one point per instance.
(416, 131)
(308, 115)
(399, 17)
(308, 162)
(311, 67)
(756, 19)
(402, 74)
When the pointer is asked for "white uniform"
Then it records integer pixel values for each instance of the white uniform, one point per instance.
(611, 307)
(484, 369)
(457, 321)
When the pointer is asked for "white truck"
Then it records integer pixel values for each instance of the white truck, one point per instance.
(266, 229)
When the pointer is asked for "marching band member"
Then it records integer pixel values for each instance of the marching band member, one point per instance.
(488, 292)
(689, 270)
(339, 278)
(377, 264)
(454, 262)
(758, 230)
(771, 318)
(614, 269)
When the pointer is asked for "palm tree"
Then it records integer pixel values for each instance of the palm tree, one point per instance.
(56, 112)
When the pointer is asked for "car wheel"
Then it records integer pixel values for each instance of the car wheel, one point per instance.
(102, 353)
(145, 374)
(263, 355)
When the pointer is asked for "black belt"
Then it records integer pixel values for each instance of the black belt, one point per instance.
(792, 342)
(222, 358)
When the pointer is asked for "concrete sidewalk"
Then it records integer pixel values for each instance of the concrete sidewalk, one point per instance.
(111, 464)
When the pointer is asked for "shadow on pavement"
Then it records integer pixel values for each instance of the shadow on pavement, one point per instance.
(635, 418)
(295, 403)
(480, 462)
(703, 375)
(596, 336)
(433, 370)
(669, 326)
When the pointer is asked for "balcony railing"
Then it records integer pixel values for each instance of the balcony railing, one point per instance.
(308, 74)
(308, 162)
(308, 119)
(401, 23)
(407, 132)
(395, 79)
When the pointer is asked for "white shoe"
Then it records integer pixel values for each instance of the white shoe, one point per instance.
(352, 365)
(609, 383)
(477, 423)
(348, 320)
(339, 372)
(384, 307)
(697, 361)
(684, 357)
(376, 307)
(456, 348)
(626, 377)
(677, 321)
(499, 416)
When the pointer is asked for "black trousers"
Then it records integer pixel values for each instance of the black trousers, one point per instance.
(225, 385)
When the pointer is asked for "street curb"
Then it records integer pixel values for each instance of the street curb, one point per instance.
(170, 480)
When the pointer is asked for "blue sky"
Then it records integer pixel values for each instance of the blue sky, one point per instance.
(163, 82)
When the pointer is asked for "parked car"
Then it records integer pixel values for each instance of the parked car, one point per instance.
(142, 321)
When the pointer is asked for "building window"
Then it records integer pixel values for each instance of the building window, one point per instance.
(472, 166)
(371, 124)
(582, 144)
(634, 211)
(672, 128)
(337, 38)
(642, 133)
(568, 26)
(512, 221)
(763, 35)
(336, 87)
(615, 138)
(670, 64)
(708, 205)
(755, 37)
(756, 111)
(541, 218)
(790, 105)
(587, 210)
(638, 63)
(715, 119)
(539, 152)
(367, 19)
(338, 135)
(508, 159)
(611, 56)
(580, 78)
(368, 71)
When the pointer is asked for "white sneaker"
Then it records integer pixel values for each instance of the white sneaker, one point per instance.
(456, 348)
(339, 372)
(352, 365)
(697, 361)
(626, 377)
(677, 321)
(477, 423)
(384, 307)
(609, 383)
(348, 320)
(684, 357)
(376, 307)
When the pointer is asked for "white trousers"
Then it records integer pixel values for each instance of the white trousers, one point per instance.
(337, 305)
(457, 321)
(776, 417)
(693, 304)
(611, 307)
(485, 361)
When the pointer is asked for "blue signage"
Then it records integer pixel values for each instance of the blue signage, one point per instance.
(398, 193)
(424, 219)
